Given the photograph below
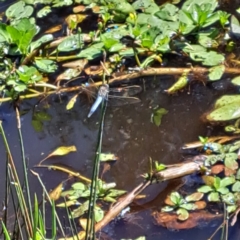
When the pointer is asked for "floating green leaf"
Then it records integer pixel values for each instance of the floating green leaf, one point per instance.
(103, 157)
(215, 73)
(46, 65)
(19, 10)
(40, 41)
(182, 214)
(213, 197)
(157, 115)
(194, 197)
(91, 52)
(225, 113)
(236, 81)
(44, 11)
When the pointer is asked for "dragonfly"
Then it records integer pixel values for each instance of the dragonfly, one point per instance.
(119, 96)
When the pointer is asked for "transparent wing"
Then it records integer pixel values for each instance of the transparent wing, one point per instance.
(125, 91)
(122, 95)
(121, 101)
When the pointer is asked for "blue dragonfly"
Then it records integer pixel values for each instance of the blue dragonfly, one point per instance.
(117, 96)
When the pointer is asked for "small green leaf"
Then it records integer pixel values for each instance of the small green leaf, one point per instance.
(19, 10)
(114, 193)
(167, 209)
(188, 206)
(230, 161)
(92, 52)
(205, 189)
(103, 157)
(44, 11)
(40, 41)
(227, 181)
(72, 43)
(215, 73)
(216, 183)
(225, 113)
(182, 214)
(236, 81)
(238, 174)
(223, 190)
(42, 116)
(37, 125)
(228, 198)
(226, 100)
(98, 214)
(46, 65)
(175, 197)
(231, 209)
(78, 212)
(157, 115)
(213, 58)
(236, 186)
(194, 197)
(213, 197)
(78, 186)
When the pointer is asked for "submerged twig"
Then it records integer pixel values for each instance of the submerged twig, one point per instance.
(66, 170)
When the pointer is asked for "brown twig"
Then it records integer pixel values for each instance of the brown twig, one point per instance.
(127, 76)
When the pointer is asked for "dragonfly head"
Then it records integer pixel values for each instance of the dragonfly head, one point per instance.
(103, 90)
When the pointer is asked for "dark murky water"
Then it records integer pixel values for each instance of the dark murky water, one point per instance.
(129, 133)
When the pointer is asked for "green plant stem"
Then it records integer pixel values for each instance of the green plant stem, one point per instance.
(24, 164)
(17, 184)
(49, 199)
(136, 57)
(90, 230)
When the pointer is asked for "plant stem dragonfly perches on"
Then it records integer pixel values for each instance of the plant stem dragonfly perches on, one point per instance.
(119, 96)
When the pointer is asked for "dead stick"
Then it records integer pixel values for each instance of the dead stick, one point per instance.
(118, 207)
(173, 172)
(167, 71)
(128, 76)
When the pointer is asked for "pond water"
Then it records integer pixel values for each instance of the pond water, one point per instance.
(130, 134)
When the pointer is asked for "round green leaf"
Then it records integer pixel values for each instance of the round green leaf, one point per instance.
(236, 81)
(231, 209)
(182, 214)
(98, 214)
(227, 181)
(223, 190)
(236, 186)
(213, 197)
(167, 209)
(229, 198)
(188, 206)
(215, 73)
(230, 161)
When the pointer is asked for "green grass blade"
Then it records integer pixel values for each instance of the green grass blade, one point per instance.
(35, 218)
(5, 231)
(54, 223)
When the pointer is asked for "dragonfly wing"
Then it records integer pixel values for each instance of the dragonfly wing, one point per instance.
(126, 91)
(121, 101)
(95, 105)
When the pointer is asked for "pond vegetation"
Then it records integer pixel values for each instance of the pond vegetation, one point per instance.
(193, 39)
